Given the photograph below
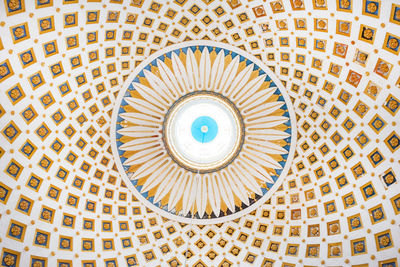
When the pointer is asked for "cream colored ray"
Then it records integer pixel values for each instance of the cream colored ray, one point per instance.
(152, 183)
(155, 176)
(244, 181)
(179, 187)
(201, 196)
(256, 99)
(180, 73)
(193, 72)
(166, 184)
(205, 70)
(139, 147)
(204, 196)
(251, 87)
(169, 78)
(159, 85)
(229, 75)
(267, 122)
(140, 131)
(188, 195)
(152, 97)
(268, 134)
(212, 188)
(253, 168)
(228, 192)
(229, 202)
(238, 186)
(150, 166)
(217, 71)
(145, 107)
(242, 166)
(262, 159)
(137, 142)
(267, 147)
(143, 156)
(141, 119)
(217, 192)
(240, 81)
(197, 191)
(156, 97)
(262, 110)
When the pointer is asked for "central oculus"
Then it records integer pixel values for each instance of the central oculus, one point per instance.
(204, 129)
(203, 132)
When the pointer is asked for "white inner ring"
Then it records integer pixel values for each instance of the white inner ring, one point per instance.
(198, 155)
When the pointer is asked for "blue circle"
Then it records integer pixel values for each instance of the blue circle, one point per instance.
(204, 129)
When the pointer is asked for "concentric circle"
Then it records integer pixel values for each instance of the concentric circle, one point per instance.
(203, 132)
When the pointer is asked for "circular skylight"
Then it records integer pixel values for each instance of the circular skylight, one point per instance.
(203, 132)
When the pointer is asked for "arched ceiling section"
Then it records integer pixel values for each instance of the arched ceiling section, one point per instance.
(62, 200)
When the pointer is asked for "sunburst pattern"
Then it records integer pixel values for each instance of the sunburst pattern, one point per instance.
(191, 69)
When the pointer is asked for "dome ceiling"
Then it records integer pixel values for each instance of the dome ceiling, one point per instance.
(63, 201)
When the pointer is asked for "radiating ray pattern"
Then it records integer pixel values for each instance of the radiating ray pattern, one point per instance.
(192, 69)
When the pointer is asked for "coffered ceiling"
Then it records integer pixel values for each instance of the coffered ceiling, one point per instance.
(63, 201)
